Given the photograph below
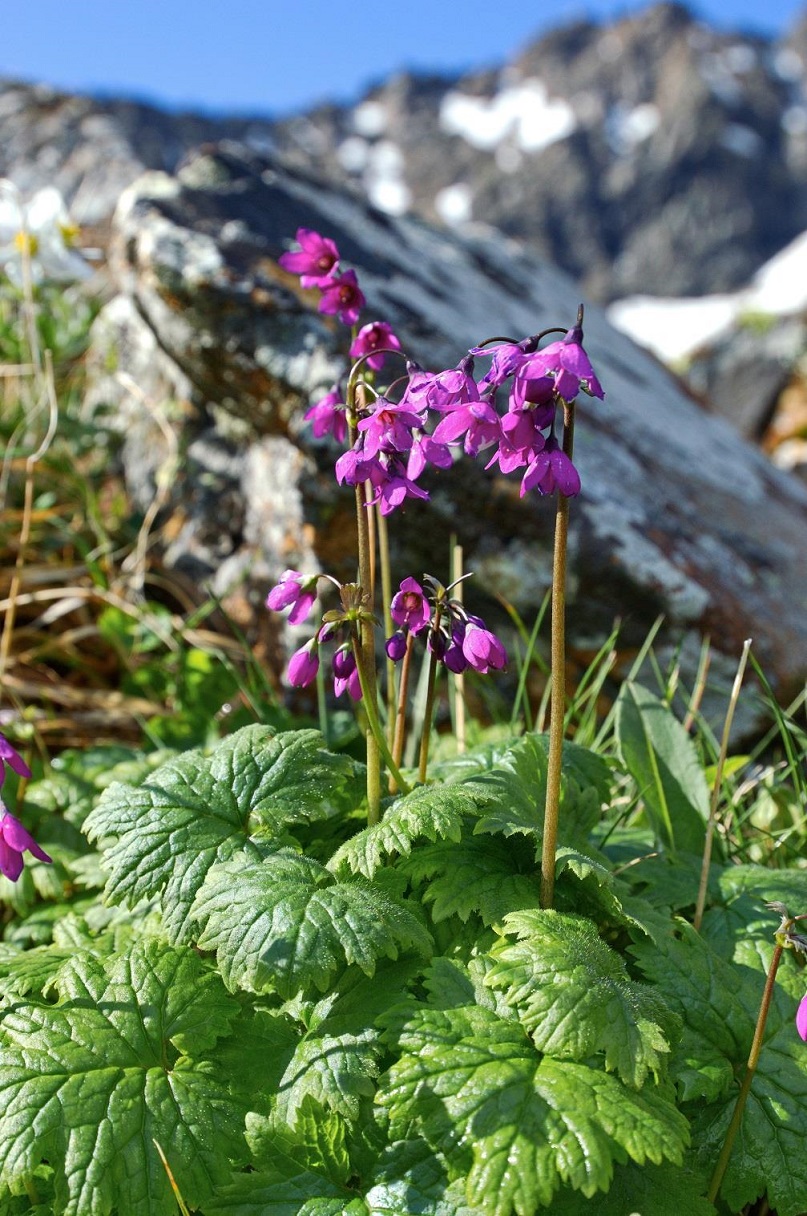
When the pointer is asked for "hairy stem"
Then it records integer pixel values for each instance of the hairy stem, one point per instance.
(745, 1088)
(427, 719)
(376, 732)
(400, 715)
(557, 711)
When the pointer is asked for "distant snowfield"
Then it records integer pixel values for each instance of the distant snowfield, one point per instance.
(673, 329)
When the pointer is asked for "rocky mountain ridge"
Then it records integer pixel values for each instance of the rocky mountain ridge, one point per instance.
(652, 154)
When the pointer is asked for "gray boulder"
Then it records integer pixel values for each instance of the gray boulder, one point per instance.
(678, 515)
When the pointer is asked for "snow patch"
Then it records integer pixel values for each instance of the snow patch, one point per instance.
(384, 178)
(370, 119)
(626, 127)
(674, 329)
(353, 154)
(524, 111)
(454, 203)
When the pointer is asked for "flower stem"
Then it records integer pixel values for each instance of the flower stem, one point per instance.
(400, 715)
(386, 597)
(751, 1067)
(427, 719)
(558, 679)
(376, 733)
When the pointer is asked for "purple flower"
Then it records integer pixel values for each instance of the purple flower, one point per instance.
(521, 440)
(14, 841)
(507, 358)
(370, 338)
(801, 1018)
(345, 673)
(327, 416)
(477, 423)
(389, 428)
(11, 757)
(342, 295)
(391, 484)
(353, 466)
(425, 451)
(294, 588)
(481, 648)
(551, 470)
(315, 262)
(531, 385)
(409, 608)
(395, 646)
(303, 665)
(570, 366)
(443, 390)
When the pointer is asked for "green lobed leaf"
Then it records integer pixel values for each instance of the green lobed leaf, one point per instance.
(196, 811)
(411, 1179)
(124, 1057)
(719, 1004)
(430, 812)
(475, 875)
(336, 1061)
(660, 756)
(573, 995)
(285, 923)
(518, 1123)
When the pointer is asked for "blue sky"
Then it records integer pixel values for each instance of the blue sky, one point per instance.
(280, 55)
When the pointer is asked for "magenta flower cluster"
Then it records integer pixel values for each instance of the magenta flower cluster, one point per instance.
(14, 839)
(456, 638)
(298, 592)
(442, 412)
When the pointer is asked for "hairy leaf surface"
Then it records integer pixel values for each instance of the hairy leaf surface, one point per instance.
(285, 923)
(572, 993)
(719, 1005)
(123, 1058)
(163, 836)
(519, 1124)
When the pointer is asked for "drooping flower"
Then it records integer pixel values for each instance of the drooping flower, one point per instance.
(315, 261)
(296, 589)
(11, 757)
(42, 231)
(389, 428)
(327, 416)
(801, 1018)
(346, 673)
(373, 337)
(395, 646)
(410, 609)
(476, 424)
(342, 296)
(551, 470)
(569, 365)
(304, 665)
(14, 841)
(481, 648)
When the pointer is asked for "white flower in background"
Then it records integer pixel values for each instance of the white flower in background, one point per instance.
(42, 230)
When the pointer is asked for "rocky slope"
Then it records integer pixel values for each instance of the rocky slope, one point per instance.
(678, 514)
(652, 154)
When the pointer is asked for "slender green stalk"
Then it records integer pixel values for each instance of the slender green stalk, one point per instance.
(427, 719)
(365, 644)
(400, 714)
(745, 1088)
(558, 689)
(376, 731)
(724, 747)
(459, 679)
(386, 595)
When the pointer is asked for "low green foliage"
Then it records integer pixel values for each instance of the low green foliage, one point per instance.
(312, 1018)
